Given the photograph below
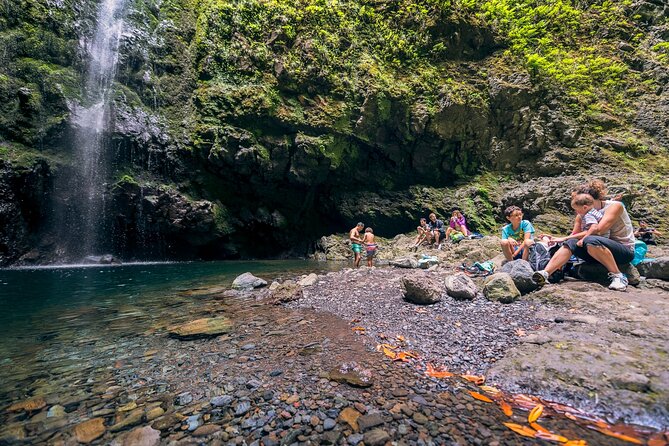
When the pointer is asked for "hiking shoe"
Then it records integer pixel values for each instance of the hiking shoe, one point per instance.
(439, 247)
(540, 278)
(618, 281)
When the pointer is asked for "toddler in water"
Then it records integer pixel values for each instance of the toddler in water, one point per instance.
(370, 246)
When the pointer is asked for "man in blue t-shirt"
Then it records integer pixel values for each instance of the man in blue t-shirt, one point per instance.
(517, 236)
(438, 229)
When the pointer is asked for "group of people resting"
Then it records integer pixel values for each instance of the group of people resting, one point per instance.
(435, 232)
(602, 233)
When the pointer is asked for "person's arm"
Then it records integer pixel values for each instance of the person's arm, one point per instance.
(611, 215)
(656, 232)
(577, 225)
(593, 229)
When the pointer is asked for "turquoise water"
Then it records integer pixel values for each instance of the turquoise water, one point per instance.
(56, 323)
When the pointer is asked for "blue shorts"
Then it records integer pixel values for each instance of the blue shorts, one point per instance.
(519, 255)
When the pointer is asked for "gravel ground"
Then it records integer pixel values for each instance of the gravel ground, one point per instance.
(463, 336)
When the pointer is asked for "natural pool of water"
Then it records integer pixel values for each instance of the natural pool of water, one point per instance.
(60, 324)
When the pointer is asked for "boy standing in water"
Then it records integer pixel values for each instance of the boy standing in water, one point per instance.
(370, 246)
(517, 235)
(356, 243)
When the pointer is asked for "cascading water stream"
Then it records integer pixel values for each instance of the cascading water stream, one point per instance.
(85, 222)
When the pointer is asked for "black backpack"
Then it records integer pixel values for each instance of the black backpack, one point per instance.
(539, 256)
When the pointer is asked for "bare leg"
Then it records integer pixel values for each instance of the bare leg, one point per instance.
(559, 259)
(369, 261)
(526, 248)
(603, 255)
(436, 237)
(448, 231)
(507, 249)
(357, 259)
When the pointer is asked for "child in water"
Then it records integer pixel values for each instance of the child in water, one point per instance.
(370, 246)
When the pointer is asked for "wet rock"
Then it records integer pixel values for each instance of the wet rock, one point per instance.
(635, 382)
(655, 269)
(350, 416)
(421, 289)
(247, 282)
(56, 411)
(366, 422)
(376, 437)
(12, 434)
(201, 328)
(184, 399)
(500, 288)
(461, 287)
(154, 413)
(142, 436)
(286, 292)
(329, 424)
(521, 272)
(89, 430)
(106, 259)
(166, 422)
(353, 374)
(221, 401)
(310, 280)
(404, 262)
(29, 405)
(354, 439)
(193, 422)
(207, 429)
(242, 408)
(134, 418)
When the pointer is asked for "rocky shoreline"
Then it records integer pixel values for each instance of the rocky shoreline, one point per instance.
(236, 368)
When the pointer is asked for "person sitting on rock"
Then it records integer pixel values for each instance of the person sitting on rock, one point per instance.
(457, 224)
(370, 245)
(438, 229)
(356, 243)
(588, 219)
(646, 233)
(517, 236)
(613, 252)
(424, 233)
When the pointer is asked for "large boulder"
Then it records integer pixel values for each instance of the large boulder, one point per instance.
(405, 262)
(247, 282)
(286, 292)
(595, 272)
(655, 268)
(521, 273)
(461, 287)
(421, 289)
(500, 288)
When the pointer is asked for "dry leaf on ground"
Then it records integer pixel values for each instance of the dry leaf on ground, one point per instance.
(535, 413)
(522, 430)
(480, 397)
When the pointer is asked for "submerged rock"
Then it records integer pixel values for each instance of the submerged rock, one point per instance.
(247, 282)
(141, 436)
(28, 405)
(201, 328)
(89, 430)
(500, 288)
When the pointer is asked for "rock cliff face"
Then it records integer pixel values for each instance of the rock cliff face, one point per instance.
(252, 130)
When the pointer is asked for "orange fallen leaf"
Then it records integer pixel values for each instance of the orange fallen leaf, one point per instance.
(401, 338)
(434, 373)
(520, 332)
(353, 321)
(570, 416)
(551, 437)
(657, 440)
(506, 408)
(361, 329)
(623, 437)
(576, 443)
(389, 353)
(539, 428)
(535, 413)
(480, 397)
(405, 356)
(478, 380)
(522, 430)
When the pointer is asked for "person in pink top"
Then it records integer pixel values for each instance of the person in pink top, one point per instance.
(457, 224)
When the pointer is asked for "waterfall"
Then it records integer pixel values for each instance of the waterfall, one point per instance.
(84, 220)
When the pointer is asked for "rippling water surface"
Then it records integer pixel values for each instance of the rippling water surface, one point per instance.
(59, 325)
